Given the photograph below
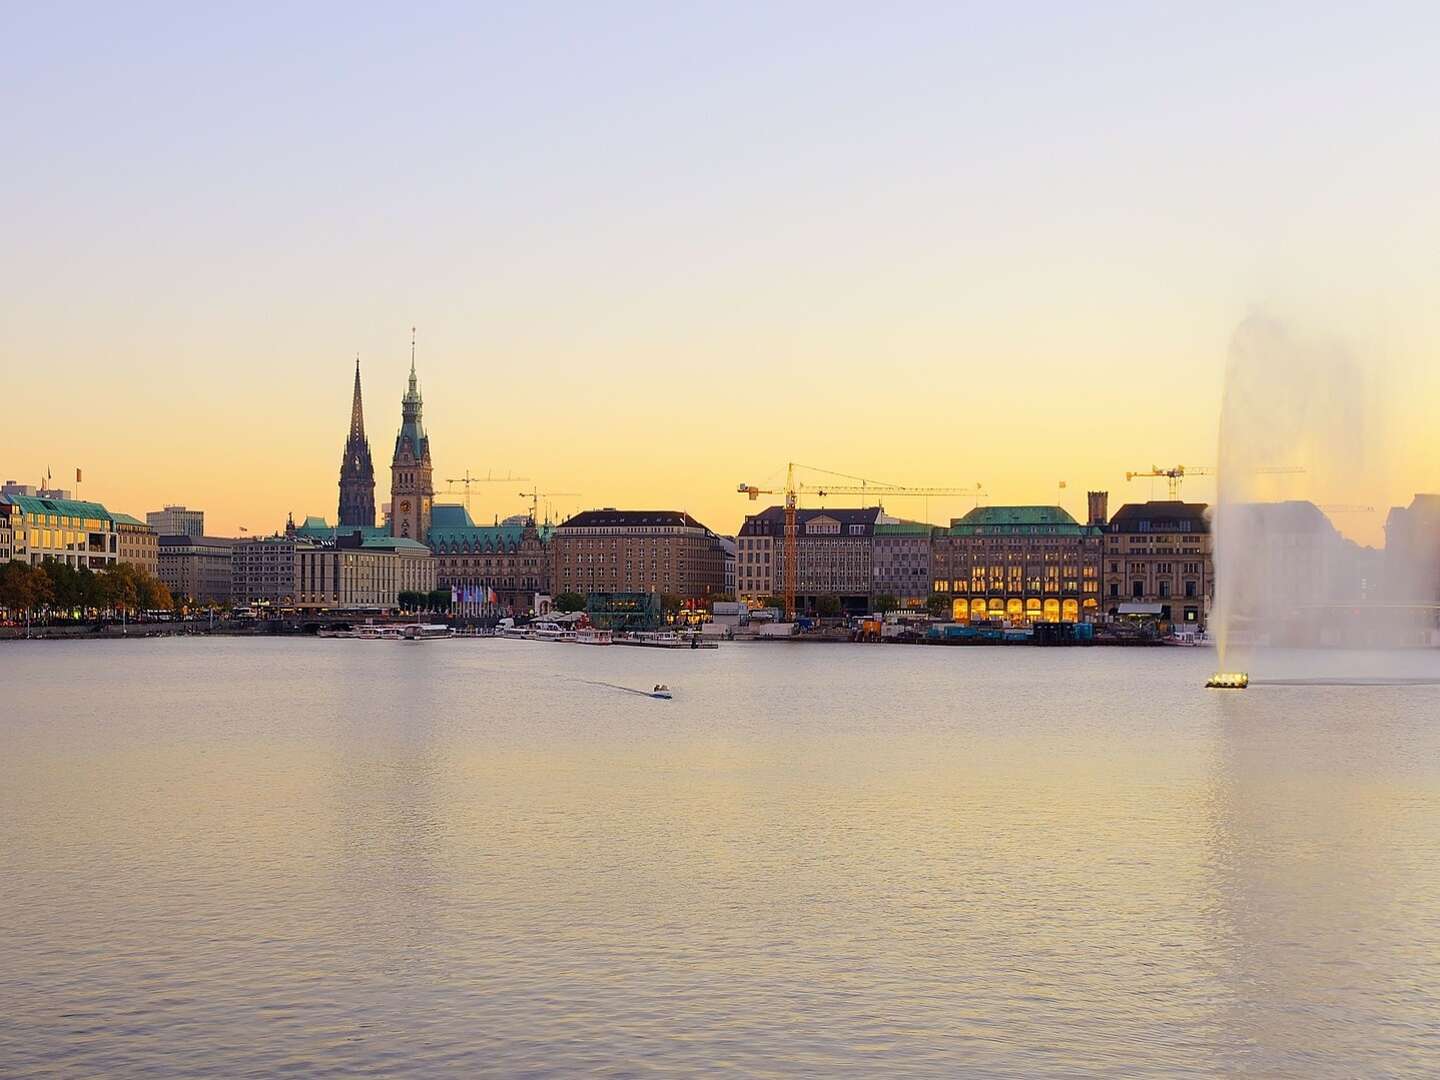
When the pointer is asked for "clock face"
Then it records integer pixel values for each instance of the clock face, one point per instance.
(404, 506)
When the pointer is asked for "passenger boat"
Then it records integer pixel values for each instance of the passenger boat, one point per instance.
(591, 636)
(425, 631)
(552, 631)
(661, 691)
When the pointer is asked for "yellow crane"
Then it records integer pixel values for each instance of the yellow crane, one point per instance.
(1177, 473)
(467, 480)
(793, 490)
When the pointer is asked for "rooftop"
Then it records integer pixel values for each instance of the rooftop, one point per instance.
(33, 504)
(609, 517)
(1018, 521)
(1161, 516)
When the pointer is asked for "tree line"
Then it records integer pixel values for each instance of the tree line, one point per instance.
(58, 588)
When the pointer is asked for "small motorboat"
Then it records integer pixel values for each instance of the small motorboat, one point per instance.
(661, 691)
(1228, 680)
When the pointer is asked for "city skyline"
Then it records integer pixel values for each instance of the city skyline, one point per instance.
(709, 229)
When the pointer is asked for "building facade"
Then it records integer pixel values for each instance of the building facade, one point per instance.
(412, 487)
(71, 531)
(358, 572)
(139, 544)
(666, 552)
(833, 550)
(262, 570)
(7, 531)
(176, 521)
(357, 471)
(511, 560)
(1411, 567)
(196, 569)
(900, 561)
(1159, 557)
(1019, 564)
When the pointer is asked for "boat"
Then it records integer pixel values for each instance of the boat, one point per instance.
(661, 691)
(425, 631)
(1228, 680)
(591, 636)
(552, 631)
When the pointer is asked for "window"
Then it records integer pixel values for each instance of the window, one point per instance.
(1190, 590)
(1137, 589)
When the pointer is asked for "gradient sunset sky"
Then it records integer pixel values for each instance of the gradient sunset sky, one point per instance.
(655, 250)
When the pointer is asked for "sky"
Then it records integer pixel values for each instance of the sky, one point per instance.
(654, 250)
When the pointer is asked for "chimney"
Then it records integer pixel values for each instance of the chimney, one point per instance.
(1099, 506)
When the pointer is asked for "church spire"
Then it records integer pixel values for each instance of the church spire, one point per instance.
(357, 410)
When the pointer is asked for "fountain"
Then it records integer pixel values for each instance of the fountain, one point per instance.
(1299, 430)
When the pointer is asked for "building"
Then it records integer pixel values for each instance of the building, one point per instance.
(900, 561)
(138, 543)
(262, 570)
(412, 488)
(71, 531)
(511, 559)
(1020, 564)
(1159, 560)
(7, 531)
(354, 571)
(11, 487)
(357, 472)
(665, 552)
(176, 521)
(731, 550)
(1412, 565)
(832, 556)
(196, 569)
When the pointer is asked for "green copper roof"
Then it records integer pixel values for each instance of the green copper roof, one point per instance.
(126, 519)
(482, 537)
(31, 504)
(317, 528)
(904, 528)
(393, 543)
(1018, 521)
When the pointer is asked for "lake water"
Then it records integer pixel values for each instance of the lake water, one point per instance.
(253, 857)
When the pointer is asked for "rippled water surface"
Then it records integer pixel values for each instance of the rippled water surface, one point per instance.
(247, 857)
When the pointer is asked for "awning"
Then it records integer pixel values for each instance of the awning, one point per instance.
(1140, 609)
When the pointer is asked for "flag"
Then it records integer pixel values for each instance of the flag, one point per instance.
(454, 594)
(492, 597)
(1062, 485)
(77, 474)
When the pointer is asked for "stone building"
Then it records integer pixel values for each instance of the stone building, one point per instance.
(262, 570)
(176, 521)
(1159, 560)
(1020, 564)
(412, 487)
(1411, 568)
(832, 551)
(666, 552)
(196, 568)
(7, 531)
(354, 571)
(357, 471)
(71, 531)
(512, 560)
(138, 543)
(900, 561)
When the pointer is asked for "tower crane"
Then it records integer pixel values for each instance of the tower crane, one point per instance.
(467, 480)
(793, 490)
(1177, 473)
(535, 497)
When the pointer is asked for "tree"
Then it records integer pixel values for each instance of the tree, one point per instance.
(937, 605)
(438, 599)
(773, 601)
(569, 601)
(408, 599)
(671, 604)
(827, 607)
(23, 587)
(886, 602)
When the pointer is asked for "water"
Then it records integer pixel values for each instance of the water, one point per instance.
(248, 857)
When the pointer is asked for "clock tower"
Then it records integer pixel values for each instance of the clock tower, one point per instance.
(412, 491)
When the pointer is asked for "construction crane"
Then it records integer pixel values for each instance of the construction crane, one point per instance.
(793, 491)
(1177, 473)
(467, 480)
(535, 497)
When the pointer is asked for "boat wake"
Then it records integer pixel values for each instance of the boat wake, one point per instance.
(1378, 680)
(617, 686)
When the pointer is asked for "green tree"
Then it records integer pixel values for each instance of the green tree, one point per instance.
(886, 602)
(670, 604)
(937, 605)
(773, 601)
(569, 601)
(408, 600)
(438, 599)
(827, 607)
(23, 587)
